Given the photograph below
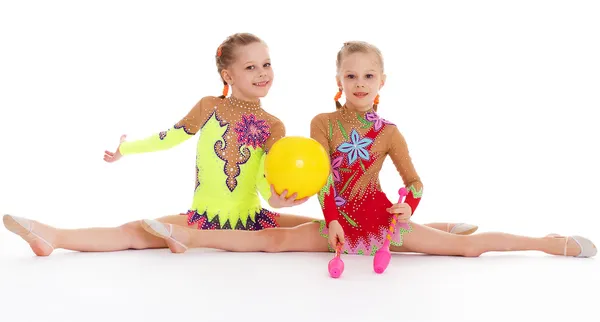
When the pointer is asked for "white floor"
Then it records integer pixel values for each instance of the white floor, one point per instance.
(208, 285)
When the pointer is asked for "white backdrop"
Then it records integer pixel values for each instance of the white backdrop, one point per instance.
(497, 101)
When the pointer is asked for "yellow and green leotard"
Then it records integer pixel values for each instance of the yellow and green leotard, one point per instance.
(235, 136)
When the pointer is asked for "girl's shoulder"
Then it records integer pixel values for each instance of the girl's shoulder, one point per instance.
(323, 117)
(271, 118)
(210, 101)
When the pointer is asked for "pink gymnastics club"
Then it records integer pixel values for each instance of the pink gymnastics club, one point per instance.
(383, 256)
(336, 265)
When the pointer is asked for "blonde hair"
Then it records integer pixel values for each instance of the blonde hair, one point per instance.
(352, 47)
(225, 55)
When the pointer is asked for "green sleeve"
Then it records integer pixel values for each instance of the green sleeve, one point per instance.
(179, 133)
(156, 142)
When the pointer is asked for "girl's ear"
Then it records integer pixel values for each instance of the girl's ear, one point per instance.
(227, 76)
(383, 77)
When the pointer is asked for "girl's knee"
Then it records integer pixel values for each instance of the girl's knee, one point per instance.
(135, 235)
(274, 240)
(470, 247)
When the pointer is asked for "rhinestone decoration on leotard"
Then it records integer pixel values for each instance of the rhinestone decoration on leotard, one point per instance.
(377, 121)
(231, 153)
(197, 177)
(221, 152)
(263, 219)
(235, 102)
(353, 118)
(252, 131)
(359, 143)
(243, 129)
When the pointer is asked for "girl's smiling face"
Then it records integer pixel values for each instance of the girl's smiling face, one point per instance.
(250, 75)
(361, 77)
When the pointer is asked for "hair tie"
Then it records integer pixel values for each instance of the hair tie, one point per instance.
(225, 90)
(338, 95)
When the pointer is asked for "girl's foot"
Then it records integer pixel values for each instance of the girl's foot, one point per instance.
(575, 246)
(176, 238)
(32, 232)
(461, 229)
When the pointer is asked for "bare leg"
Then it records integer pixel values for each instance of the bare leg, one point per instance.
(128, 236)
(461, 228)
(132, 236)
(287, 220)
(303, 238)
(431, 241)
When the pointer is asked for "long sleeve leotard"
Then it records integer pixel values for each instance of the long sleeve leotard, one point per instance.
(358, 143)
(235, 136)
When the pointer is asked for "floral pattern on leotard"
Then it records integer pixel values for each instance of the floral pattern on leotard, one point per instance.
(358, 144)
(251, 131)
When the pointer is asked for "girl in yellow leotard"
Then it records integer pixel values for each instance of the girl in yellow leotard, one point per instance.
(236, 135)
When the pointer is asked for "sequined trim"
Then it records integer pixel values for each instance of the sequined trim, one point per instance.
(325, 190)
(374, 244)
(416, 193)
(236, 102)
(197, 175)
(353, 117)
(182, 126)
(263, 219)
(364, 119)
(231, 168)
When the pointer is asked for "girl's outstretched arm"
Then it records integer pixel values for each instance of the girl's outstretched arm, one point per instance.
(398, 151)
(180, 132)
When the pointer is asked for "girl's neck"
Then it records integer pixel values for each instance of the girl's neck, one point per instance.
(360, 109)
(353, 115)
(252, 103)
(236, 95)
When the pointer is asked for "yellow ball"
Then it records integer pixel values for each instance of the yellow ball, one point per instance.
(298, 165)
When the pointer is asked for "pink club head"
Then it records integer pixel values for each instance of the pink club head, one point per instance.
(381, 260)
(336, 267)
(403, 192)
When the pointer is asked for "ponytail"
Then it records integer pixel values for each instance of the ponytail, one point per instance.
(336, 98)
(225, 90)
